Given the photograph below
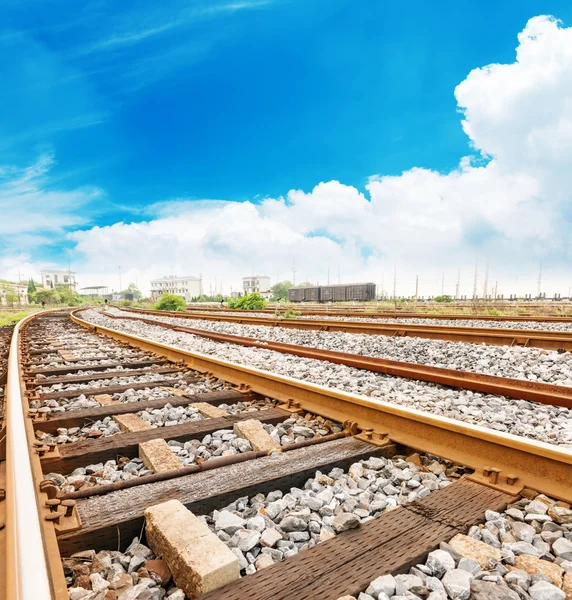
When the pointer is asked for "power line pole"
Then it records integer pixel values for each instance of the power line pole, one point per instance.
(416, 287)
(395, 281)
(443, 284)
(475, 285)
(539, 281)
(486, 284)
(458, 284)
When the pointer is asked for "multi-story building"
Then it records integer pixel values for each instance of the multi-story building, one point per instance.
(51, 278)
(189, 286)
(13, 293)
(257, 283)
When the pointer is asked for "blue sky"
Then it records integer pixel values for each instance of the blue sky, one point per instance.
(136, 104)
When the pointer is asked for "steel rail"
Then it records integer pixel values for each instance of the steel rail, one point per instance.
(550, 340)
(555, 395)
(367, 314)
(27, 576)
(537, 465)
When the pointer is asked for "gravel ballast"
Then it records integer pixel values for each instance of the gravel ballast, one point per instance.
(523, 553)
(223, 442)
(546, 423)
(531, 364)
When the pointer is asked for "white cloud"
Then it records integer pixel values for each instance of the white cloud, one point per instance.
(509, 201)
(31, 206)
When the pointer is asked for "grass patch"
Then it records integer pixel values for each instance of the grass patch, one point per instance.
(11, 318)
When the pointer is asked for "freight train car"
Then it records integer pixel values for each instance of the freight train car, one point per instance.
(361, 292)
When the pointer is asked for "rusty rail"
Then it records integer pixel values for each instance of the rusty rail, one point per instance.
(545, 393)
(28, 576)
(541, 466)
(550, 340)
(362, 312)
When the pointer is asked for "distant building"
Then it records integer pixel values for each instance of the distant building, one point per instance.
(189, 287)
(51, 278)
(95, 291)
(257, 283)
(10, 290)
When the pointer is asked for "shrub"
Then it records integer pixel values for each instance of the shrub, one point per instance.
(443, 298)
(126, 303)
(252, 301)
(171, 302)
(291, 314)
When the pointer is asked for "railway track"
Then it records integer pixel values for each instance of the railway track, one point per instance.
(503, 386)
(366, 312)
(316, 493)
(5, 337)
(491, 336)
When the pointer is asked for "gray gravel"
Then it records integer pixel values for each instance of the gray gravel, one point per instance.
(265, 529)
(529, 550)
(223, 442)
(468, 322)
(546, 423)
(531, 364)
(135, 574)
(166, 416)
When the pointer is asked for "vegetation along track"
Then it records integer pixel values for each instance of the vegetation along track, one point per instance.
(308, 474)
(493, 336)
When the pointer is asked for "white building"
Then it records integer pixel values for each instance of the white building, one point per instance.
(51, 278)
(10, 291)
(189, 287)
(257, 283)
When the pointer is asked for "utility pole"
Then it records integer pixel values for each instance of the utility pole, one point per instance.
(395, 281)
(475, 285)
(486, 284)
(458, 284)
(443, 284)
(496, 289)
(539, 281)
(416, 287)
(382, 286)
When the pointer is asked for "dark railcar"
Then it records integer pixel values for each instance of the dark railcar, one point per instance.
(360, 292)
(312, 294)
(296, 295)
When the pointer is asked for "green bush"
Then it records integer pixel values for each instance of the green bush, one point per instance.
(126, 303)
(291, 314)
(443, 298)
(171, 302)
(252, 301)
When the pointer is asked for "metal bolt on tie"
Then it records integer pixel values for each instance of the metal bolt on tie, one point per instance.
(54, 517)
(69, 506)
(53, 504)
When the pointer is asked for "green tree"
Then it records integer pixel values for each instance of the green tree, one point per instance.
(171, 302)
(306, 284)
(132, 289)
(253, 301)
(49, 296)
(31, 286)
(67, 295)
(280, 290)
(443, 298)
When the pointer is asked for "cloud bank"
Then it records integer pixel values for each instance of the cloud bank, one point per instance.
(508, 202)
